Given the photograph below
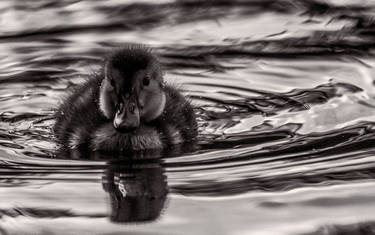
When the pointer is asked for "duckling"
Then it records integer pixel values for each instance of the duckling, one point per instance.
(125, 107)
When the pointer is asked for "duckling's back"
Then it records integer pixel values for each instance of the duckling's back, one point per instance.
(177, 124)
(78, 115)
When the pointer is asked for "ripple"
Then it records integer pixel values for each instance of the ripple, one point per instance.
(284, 97)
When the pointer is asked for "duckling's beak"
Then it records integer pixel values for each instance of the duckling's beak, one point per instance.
(127, 117)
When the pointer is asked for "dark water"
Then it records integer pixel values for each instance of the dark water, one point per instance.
(283, 90)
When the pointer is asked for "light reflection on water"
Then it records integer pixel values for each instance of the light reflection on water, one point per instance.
(284, 95)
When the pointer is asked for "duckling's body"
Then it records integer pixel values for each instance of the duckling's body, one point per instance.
(125, 107)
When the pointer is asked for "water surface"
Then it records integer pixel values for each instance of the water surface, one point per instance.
(284, 95)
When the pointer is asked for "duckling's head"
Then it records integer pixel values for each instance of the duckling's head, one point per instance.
(132, 89)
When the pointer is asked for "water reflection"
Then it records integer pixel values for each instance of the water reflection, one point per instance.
(137, 191)
(135, 182)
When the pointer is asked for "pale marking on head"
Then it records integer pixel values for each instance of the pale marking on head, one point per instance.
(159, 111)
(103, 100)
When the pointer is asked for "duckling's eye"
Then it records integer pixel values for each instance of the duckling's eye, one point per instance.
(112, 81)
(146, 81)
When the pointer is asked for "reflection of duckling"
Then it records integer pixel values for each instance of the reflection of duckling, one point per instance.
(125, 107)
(137, 191)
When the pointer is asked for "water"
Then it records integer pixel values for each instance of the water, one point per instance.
(284, 95)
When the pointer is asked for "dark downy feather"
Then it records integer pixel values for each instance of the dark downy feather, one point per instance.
(80, 124)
